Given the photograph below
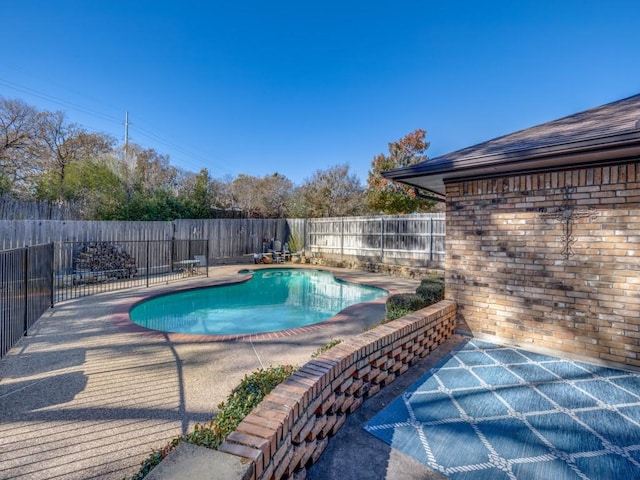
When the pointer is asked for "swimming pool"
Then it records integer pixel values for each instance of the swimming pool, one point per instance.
(272, 300)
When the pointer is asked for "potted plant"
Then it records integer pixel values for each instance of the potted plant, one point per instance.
(296, 246)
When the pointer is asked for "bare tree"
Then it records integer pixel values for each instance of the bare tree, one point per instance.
(153, 170)
(245, 191)
(222, 193)
(19, 160)
(331, 193)
(265, 197)
(275, 191)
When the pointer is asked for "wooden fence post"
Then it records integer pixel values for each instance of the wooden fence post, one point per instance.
(381, 238)
(207, 256)
(342, 238)
(431, 240)
(148, 251)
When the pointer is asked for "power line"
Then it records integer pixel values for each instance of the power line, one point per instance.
(110, 118)
(64, 86)
(51, 98)
(167, 143)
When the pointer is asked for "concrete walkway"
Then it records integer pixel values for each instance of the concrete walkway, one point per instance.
(88, 395)
(353, 453)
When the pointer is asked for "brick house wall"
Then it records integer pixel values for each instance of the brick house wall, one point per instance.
(549, 259)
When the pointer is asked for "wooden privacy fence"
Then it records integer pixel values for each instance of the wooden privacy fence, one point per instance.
(22, 233)
(231, 239)
(16, 209)
(396, 239)
(228, 238)
(416, 239)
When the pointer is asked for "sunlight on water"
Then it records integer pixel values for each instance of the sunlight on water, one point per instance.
(274, 299)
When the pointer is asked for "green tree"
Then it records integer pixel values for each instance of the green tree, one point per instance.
(5, 184)
(162, 205)
(94, 186)
(195, 192)
(150, 185)
(386, 196)
(64, 144)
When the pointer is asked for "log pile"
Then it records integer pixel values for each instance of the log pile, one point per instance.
(109, 259)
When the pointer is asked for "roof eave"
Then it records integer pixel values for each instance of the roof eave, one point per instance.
(433, 174)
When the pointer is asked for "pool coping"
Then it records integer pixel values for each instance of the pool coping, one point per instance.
(121, 317)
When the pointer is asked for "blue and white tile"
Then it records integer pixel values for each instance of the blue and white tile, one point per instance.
(492, 412)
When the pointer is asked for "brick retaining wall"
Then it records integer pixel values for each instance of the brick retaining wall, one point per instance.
(291, 427)
(402, 271)
(549, 259)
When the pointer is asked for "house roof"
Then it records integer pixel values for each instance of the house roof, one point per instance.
(606, 134)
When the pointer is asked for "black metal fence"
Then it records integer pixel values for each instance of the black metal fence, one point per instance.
(87, 268)
(33, 278)
(26, 290)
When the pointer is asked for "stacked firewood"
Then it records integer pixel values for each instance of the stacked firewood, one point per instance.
(105, 257)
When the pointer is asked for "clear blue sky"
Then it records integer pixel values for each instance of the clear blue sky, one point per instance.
(257, 87)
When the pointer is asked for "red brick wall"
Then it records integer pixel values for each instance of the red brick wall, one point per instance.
(291, 427)
(512, 274)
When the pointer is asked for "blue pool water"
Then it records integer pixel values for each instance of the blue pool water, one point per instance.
(272, 300)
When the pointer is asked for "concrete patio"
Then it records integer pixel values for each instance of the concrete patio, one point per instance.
(88, 394)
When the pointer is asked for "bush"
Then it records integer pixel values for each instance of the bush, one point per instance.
(433, 278)
(242, 399)
(403, 304)
(431, 289)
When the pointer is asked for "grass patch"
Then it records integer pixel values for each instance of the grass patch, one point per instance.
(324, 348)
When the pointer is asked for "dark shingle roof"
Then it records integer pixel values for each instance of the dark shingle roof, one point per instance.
(600, 128)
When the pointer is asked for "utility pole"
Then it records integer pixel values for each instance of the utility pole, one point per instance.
(126, 137)
(126, 128)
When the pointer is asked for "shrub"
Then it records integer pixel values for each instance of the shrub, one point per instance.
(242, 399)
(433, 278)
(431, 289)
(324, 348)
(403, 304)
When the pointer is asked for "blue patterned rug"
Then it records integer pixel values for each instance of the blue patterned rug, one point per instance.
(492, 412)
